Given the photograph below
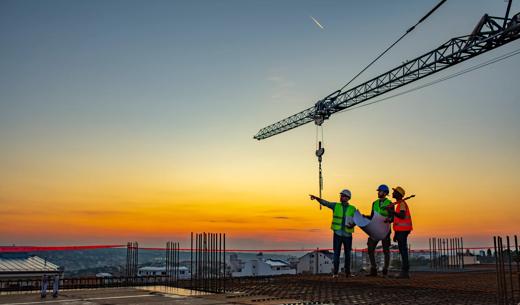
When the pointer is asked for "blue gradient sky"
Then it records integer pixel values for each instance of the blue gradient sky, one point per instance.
(118, 106)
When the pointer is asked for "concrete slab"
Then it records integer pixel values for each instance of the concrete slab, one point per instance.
(424, 288)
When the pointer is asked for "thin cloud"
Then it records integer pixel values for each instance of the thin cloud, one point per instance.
(98, 213)
(228, 220)
(281, 86)
(313, 230)
(280, 81)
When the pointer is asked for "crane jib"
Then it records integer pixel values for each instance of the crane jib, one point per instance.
(490, 33)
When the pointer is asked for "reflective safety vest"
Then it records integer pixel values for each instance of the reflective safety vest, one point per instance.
(381, 209)
(403, 224)
(337, 217)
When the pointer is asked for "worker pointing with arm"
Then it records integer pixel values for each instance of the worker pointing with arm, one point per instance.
(343, 227)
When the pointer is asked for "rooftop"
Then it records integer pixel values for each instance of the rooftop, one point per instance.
(152, 268)
(25, 263)
(276, 262)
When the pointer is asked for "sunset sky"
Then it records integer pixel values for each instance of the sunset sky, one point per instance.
(134, 120)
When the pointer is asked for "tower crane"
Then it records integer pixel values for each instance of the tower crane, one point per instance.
(489, 33)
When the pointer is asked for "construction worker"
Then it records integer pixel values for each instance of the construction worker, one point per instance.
(402, 228)
(56, 286)
(45, 283)
(382, 206)
(343, 227)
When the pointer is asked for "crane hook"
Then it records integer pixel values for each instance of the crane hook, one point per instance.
(319, 153)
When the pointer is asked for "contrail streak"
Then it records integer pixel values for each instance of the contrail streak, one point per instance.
(317, 23)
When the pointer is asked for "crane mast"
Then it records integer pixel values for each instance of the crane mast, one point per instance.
(490, 33)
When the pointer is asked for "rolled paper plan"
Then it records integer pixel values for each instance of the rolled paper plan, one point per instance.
(376, 227)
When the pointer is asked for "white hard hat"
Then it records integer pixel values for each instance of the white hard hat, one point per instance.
(346, 192)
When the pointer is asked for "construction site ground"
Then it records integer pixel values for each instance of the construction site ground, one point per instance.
(424, 288)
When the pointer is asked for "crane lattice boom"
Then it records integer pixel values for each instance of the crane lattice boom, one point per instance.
(490, 33)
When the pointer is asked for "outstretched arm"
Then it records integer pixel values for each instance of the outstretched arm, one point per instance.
(371, 214)
(323, 202)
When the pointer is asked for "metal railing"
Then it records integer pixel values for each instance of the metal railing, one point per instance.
(33, 285)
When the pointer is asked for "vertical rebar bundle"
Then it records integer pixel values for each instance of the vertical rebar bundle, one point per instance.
(132, 260)
(506, 255)
(208, 262)
(446, 254)
(172, 263)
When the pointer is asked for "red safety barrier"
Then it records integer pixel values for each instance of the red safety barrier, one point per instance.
(11, 249)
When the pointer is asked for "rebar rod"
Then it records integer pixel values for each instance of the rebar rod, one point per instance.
(497, 268)
(205, 261)
(462, 247)
(430, 251)
(459, 254)
(517, 263)
(451, 253)
(434, 245)
(167, 258)
(510, 264)
(219, 262)
(502, 271)
(225, 271)
(191, 260)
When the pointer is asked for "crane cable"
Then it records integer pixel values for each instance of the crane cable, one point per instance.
(442, 79)
(393, 44)
(320, 150)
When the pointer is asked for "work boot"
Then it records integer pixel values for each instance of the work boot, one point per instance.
(373, 272)
(403, 275)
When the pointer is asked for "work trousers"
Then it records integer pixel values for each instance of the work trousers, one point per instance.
(56, 286)
(402, 243)
(346, 241)
(372, 244)
(45, 283)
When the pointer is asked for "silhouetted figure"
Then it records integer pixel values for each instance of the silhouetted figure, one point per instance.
(45, 284)
(382, 206)
(56, 286)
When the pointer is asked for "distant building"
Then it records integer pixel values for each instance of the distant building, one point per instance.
(259, 267)
(24, 266)
(235, 263)
(103, 274)
(417, 254)
(470, 259)
(316, 262)
(184, 272)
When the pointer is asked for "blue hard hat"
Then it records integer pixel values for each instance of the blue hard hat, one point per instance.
(384, 188)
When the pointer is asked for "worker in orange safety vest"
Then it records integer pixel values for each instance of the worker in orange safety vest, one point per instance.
(402, 227)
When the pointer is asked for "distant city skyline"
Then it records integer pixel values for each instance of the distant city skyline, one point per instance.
(133, 120)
